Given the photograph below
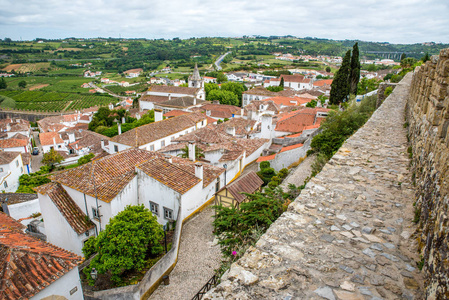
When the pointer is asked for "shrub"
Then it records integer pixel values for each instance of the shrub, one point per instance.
(89, 247)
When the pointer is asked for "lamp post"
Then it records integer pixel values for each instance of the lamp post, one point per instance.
(225, 166)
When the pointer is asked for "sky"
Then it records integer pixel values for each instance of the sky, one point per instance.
(393, 21)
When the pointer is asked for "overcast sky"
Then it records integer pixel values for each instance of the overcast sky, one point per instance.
(394, 21)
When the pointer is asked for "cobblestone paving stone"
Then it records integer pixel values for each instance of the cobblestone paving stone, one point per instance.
(349, 234)
(197, 260)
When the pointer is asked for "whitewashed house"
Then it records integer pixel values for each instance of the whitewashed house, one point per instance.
(80, 202)
(35, 269)
(11, 168)
(154, 136)
(51, 140)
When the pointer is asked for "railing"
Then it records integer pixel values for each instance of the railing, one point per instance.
(210, 284)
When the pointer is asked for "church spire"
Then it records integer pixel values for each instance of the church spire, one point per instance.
(195, 80)
(196, 73)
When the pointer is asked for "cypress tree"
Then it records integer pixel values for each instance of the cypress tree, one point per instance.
(282, 82)
(355, 69)
(3, 84)
(340, 84)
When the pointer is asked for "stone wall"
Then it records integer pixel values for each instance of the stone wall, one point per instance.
(428, 120)
(349, 234)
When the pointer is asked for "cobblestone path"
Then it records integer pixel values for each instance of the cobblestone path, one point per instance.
(197, 260)
(349, 234)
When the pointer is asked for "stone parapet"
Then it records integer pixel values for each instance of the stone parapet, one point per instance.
(428, 119)
(349, 235)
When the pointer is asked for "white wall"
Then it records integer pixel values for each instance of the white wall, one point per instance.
(127, 196)
(121, 147)
(58, 230)
(23, 149)
(193, 199)
(58, 147)
(152, 190)
(11, 173)
(146, 105)
(62, 287)
(24, 209)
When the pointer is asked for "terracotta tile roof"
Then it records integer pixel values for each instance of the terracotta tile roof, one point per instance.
(260, 91)
(175, 113)
(265, 158)
(291, 147)
(220, 110)
(296, 121)
(68, 208)
(111, 173)
(295, 78)
(14, 198)
(151, 132)
(248, 183)
(322, 82)
(206, 135)
(242, 126)
(288, 101)
(169, 174)
(181, 102)
(46, 138)
(173, 89)
(20, 136)
(255, 106)
(7, 156)
(91, 139)
(29, 265)
(210, 173)
(13, 143)
(153, 98)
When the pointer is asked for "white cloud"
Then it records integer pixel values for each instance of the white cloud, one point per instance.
(374, 20)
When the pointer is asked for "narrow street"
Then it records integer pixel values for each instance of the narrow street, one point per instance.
(198, 257)
(36, 160)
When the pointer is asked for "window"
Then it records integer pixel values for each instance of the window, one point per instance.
(95, 213)
(217, 185)
(5, 184)
(1, 169)
(21, 169)
(163, 143)
(17, 163)
(151, 147)
(168, 213)
(59, 146)
(115, 148)
(154, 207)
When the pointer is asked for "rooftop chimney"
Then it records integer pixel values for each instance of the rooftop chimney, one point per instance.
(102, 144)
(54, 141)
(199, 170)
(5, 204)
(123, 120)
(158, 115)
(192, 151)
(208, 113)
(119, 126)
(168, 158)
(230, 130)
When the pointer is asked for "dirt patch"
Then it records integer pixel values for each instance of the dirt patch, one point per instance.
(70, 49)
(12, 67)
(38, 86)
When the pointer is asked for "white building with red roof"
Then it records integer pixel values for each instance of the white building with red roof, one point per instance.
(51, 140)
(11, 168)
(34, 269)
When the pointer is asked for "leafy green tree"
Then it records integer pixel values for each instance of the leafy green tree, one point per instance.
(208, 87)
(328, 69)
(355, 69)
(408, 62)
(367, 85)
(312, 103)
(266, 173)
(340, 85)
(85, 159)
(185, 152)
(51, 158)
(225, 97)
(403, 55)
(426, 57)
(234, 87)
(3, 84)
(22, 84)
(275, 88)
(126, 243)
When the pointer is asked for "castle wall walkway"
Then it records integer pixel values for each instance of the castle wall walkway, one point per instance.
(349, 235)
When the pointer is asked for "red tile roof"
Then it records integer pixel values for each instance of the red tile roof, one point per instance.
(175, 113)
(151, 132)
(68, 208)
(323, 82)
(295, 78)
(46, 138)
(248, 183)
(110, 173)
(291, 147)
(7, 156)
(13, 143)
(296, 121)
(265, 158)
(169, 174)
(210, 173)
(288, 101)
(29, 265)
